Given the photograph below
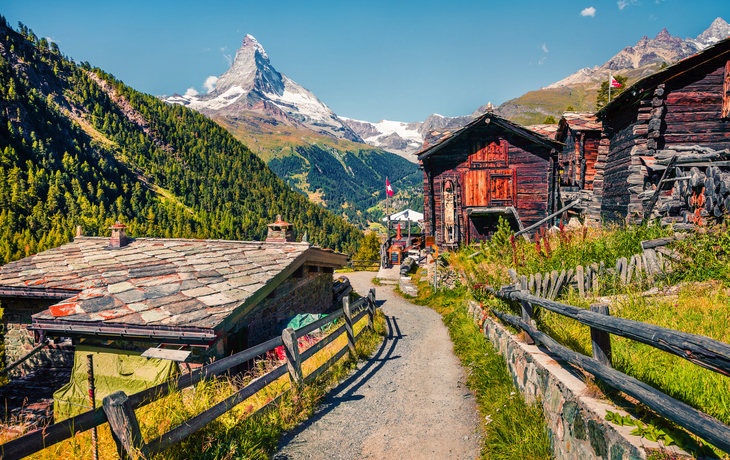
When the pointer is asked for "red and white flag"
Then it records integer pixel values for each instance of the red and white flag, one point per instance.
(613, 83)
(388, 188)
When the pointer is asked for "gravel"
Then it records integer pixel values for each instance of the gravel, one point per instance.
(406, 402)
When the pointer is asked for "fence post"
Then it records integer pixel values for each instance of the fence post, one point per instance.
(92, 403)
(124, 426)
(371, 309)
(527, 317)
(293, 363)
(348, 326)
(601, 340)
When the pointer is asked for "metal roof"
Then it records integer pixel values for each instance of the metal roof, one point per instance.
(158, 284)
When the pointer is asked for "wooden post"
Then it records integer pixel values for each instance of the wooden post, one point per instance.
(371, 309)
(527, 317)
(92, 403)
(293, 363)
(124, 426)
(581, 280)
(538, 284)
(600, 340)
(348, 326)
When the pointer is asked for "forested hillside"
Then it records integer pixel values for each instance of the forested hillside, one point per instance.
(78, 147)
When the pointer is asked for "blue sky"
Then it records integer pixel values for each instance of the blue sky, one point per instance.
(397, 60)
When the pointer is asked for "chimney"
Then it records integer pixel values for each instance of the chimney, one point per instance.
(280, 232)
(119, 237)
(79, 231)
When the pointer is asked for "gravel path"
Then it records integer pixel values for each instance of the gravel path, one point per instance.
(407, 402)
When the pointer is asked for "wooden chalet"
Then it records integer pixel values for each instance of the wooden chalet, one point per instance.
(489, 168)
(680, 112)
(581, 134)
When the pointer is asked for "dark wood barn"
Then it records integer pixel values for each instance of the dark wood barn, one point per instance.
(681, 111)
(491, 167)
(581, 134)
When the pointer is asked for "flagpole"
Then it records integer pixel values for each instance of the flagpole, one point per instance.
(387, 195)
(610, 79)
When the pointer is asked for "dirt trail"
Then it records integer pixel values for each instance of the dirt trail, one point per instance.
(407, 402)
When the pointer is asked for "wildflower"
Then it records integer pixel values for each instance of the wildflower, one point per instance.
(488, 418)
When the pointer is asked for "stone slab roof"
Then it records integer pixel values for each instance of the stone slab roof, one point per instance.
(577, 121)
(154, 283)
(546, 129)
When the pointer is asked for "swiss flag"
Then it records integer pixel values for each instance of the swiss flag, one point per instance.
(613, 82)
(388, 188)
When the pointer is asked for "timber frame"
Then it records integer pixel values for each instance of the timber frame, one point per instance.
(490, 168)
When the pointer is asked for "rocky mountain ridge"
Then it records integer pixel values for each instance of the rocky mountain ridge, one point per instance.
(252, 84)
(577, 89)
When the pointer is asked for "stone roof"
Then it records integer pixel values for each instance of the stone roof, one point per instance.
(577, 121)
(546, 129)
(160, 283)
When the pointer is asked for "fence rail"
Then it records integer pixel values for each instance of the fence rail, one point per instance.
(703, 351)
(40, 439)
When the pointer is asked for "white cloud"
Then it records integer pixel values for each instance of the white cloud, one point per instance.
(590, 11)
(209, 83)
(228, 59)
(191, 92)
(49, 39)
(624, 3)
(544, 47)
(542, 60)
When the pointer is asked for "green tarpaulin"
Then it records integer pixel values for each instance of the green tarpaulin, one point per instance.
(303, 319)
(114, 370)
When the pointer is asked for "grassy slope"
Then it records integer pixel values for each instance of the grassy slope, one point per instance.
(534, 106)
(702, 308)
(344, 176)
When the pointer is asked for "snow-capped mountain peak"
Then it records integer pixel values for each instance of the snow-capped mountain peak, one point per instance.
(252, 84)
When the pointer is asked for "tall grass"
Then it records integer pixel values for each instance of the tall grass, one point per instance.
(511, 428)
(236, 434)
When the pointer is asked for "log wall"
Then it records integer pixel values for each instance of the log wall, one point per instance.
(685, 110)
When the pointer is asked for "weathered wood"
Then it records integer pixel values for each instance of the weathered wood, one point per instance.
(562, 280)
(581, 280)
(538, 284)
(527, 317)
(690, 418)
(652, 202)
(600, 340)
(553, 284)
(545, 284)
(371, 309)
(624, 269)
(542, 221)
(513, 274)
(532, 283)
(698, 349)
(179, 356)
(348, 326)
(124, 426)
(293, 362)
(92, 403)
(595, 283)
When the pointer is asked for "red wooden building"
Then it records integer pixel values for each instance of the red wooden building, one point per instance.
(581, 134)
(683, 111)
(489, 168)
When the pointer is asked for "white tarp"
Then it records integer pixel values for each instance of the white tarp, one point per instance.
(407, 215)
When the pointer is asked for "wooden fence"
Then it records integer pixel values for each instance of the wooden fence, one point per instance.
(703, 351)
(363, 264)
(118, 408)
(655, 260)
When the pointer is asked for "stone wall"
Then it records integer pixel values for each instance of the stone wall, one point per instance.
(20, 340)
(575, 420)
(311, 293)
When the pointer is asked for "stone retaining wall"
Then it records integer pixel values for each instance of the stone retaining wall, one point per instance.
(575, 421)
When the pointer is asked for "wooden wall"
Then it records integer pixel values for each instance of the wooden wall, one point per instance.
(529, 165)
(574, 152)
(686, 110)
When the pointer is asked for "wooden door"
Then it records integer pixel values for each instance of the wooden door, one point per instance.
(502, 186)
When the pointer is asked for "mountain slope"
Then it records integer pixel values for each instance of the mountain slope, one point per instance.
(299, 137)
(78, 147)
(577, 90)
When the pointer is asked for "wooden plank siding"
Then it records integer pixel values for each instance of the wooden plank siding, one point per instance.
(502, 170)
(681, 105)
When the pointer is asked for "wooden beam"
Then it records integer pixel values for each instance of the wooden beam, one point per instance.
(655, 197)
(542, 221)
